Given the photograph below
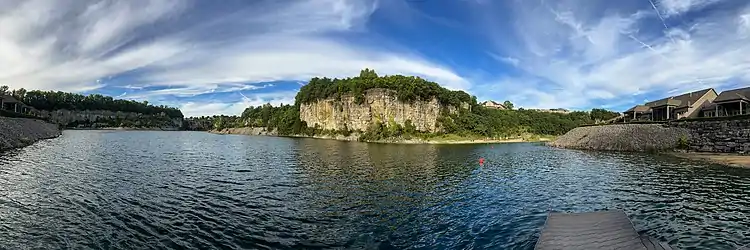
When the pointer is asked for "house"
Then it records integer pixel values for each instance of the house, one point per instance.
(10, 103)
(674, 107)
(729, 103)
(638, 113)
(493, 104)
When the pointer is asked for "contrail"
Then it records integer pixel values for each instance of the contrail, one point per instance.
(660, 17)
(660, 54)
(647, 46)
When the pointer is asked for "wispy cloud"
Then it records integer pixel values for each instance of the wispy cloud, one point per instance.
(216, 107)
(188, 49)
(575, 57)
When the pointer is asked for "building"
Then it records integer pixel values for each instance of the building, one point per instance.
(638, 113)
(687, 105)
(493, 104)
(557, 110)
(10, 103)
(729, 103)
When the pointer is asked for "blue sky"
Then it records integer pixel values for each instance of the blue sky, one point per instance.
(218, 57)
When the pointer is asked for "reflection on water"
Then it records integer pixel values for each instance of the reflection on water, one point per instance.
(98, 189)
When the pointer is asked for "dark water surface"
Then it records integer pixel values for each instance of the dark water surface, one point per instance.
(163, 190)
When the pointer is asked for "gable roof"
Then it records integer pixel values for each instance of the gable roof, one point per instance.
(493, 103)
(639, 108)
(734, 94)
(681, 101)
(9, 99)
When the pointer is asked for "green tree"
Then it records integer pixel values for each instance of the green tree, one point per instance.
(602, 114)
(3, 90)
(508, 104)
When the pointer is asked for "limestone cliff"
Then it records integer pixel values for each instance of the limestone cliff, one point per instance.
(104, 118)
(379, 105)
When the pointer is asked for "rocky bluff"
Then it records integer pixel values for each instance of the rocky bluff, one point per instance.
(103, 118)
(379, 105)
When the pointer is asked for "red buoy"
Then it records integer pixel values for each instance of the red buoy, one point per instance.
(481, 161)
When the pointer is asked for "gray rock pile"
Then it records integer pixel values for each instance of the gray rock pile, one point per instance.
(622, 137)
(20, 132)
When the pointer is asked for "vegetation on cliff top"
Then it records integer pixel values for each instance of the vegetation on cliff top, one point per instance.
(476, 121)
(408, 89)
(56, 100)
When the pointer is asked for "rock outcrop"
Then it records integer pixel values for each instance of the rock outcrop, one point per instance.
(622, 137)
(245, 131)
(99, 118)
(379, 105)
(19, 132)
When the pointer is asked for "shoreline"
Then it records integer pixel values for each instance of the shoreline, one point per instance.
(124, 129)
(22, 132)
(403, 141)
(726, 159)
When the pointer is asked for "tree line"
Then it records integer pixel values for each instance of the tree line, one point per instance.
(56, 100)
(475, 120)
(408, 89)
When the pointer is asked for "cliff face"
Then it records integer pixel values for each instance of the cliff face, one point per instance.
(19, 132)
(380, 105)
(99, 118)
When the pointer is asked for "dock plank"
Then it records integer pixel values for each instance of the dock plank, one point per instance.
(595, 230)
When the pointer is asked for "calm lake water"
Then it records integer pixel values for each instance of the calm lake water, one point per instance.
(174, 190)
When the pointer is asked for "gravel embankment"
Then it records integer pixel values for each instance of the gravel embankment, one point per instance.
(20, 132)
(622, 137)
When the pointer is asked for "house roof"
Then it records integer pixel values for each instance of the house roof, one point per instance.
(733, 95)
(681, 101)
(493, 103)
(9, 99)
(639, 109)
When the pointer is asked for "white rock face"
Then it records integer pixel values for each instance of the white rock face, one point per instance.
(63, 116)
(380, 105)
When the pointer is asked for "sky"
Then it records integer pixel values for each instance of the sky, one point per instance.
(219, 57)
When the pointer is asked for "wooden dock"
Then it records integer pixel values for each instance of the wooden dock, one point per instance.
(596, 230)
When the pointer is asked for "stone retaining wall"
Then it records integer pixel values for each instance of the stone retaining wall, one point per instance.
(729, 136)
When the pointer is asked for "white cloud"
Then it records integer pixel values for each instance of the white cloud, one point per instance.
(78, 45)
(576, 59)
(209, 108)
(676, 7)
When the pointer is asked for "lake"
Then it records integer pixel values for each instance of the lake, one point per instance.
(175, 190)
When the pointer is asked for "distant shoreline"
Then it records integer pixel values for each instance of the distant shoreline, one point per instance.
(126, 129)
(436, 141)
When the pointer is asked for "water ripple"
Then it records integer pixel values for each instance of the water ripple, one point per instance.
(176, 190)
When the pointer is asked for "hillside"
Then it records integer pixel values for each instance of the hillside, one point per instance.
(391, 107)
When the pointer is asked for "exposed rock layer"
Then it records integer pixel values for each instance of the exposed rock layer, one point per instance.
(622, 137)
(66, 117)
(19, 132)
(380, 105)
(244, 131)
